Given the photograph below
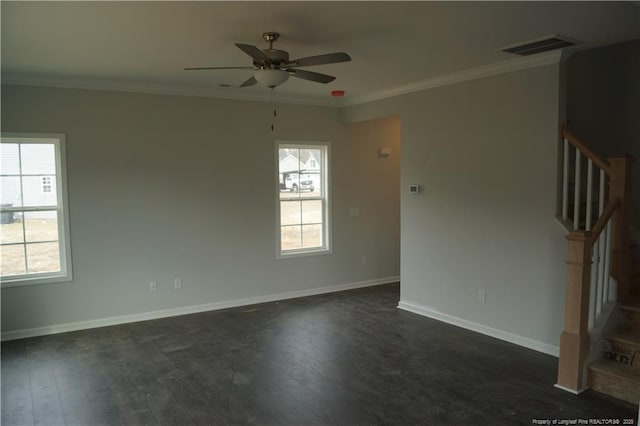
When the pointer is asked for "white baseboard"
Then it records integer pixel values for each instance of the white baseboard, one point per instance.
(185, 310)
(479, 328)
(569, 390)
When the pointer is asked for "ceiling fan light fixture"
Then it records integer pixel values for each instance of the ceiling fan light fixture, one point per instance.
(271, 77)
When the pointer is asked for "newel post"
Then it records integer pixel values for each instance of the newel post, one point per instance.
(574, 341)
(620, 187)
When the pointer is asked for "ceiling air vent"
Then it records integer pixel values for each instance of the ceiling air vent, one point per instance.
(546, 44)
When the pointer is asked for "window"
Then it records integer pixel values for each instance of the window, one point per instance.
(46, 184)
(303, 199)
(34, 227)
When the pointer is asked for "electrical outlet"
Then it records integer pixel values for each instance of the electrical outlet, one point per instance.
(482, 295)
(153, 285)
(364, 261)
(177, 283)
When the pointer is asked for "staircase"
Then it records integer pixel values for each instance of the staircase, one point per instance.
(618, 372)
(600, 344)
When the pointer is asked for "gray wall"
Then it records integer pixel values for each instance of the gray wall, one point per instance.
(603, 105)
(168, 186)
(485, 153)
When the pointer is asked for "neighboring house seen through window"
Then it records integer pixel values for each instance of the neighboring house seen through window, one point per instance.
(34, 227)
(303, 199)
(46, 184)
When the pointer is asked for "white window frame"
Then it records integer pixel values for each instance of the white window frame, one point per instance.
(325, 167)
(65, 274)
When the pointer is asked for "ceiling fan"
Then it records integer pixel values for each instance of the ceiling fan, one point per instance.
(272, 67)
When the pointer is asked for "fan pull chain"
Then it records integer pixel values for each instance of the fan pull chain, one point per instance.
(275, 112)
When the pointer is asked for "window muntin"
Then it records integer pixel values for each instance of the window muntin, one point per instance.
(303, 202)
(34, 241)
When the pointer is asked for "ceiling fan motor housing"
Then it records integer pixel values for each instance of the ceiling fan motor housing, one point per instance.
(276, 56)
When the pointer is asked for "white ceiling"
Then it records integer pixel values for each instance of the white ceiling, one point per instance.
(393, 44)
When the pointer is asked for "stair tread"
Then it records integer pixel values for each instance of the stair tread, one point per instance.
(631, 307)
(615, 369)
(625, 335)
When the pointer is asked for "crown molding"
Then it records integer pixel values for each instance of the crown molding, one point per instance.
(19, 79)
(213, 92)
(503, 67)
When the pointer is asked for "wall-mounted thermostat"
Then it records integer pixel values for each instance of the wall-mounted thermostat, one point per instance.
(414, 189)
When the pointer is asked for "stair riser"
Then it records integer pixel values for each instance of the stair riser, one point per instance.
(623, 353)
(615, 386)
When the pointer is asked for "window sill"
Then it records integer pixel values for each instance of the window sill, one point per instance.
(305, 253)
(34, 280)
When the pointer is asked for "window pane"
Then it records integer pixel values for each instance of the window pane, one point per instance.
(310, 166)
(303, 185)
(289, 160)
(10, 191)
(9, 159)
(310, 159)
(41, 226)
(291, 237)
(34, 196)
(290, 213)
(311, 236)
(11, 228)
(43, 257)
(289, 172)
(39, 159)
(312, 211)
(312, 188)
(48, 184)
(12, 262)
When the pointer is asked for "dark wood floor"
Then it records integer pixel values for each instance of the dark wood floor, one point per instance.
(348, 358)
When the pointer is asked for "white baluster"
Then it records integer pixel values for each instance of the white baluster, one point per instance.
(589, 193)
(607, 265)
(602, 246)
(613, 290)
(601, 271)
(599, 248)
(601, 194)
(576, 192)
(565, 181)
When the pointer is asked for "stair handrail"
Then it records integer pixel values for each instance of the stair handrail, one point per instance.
(595, 254)
(602, 173)
(573, 140)
(603, 220)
